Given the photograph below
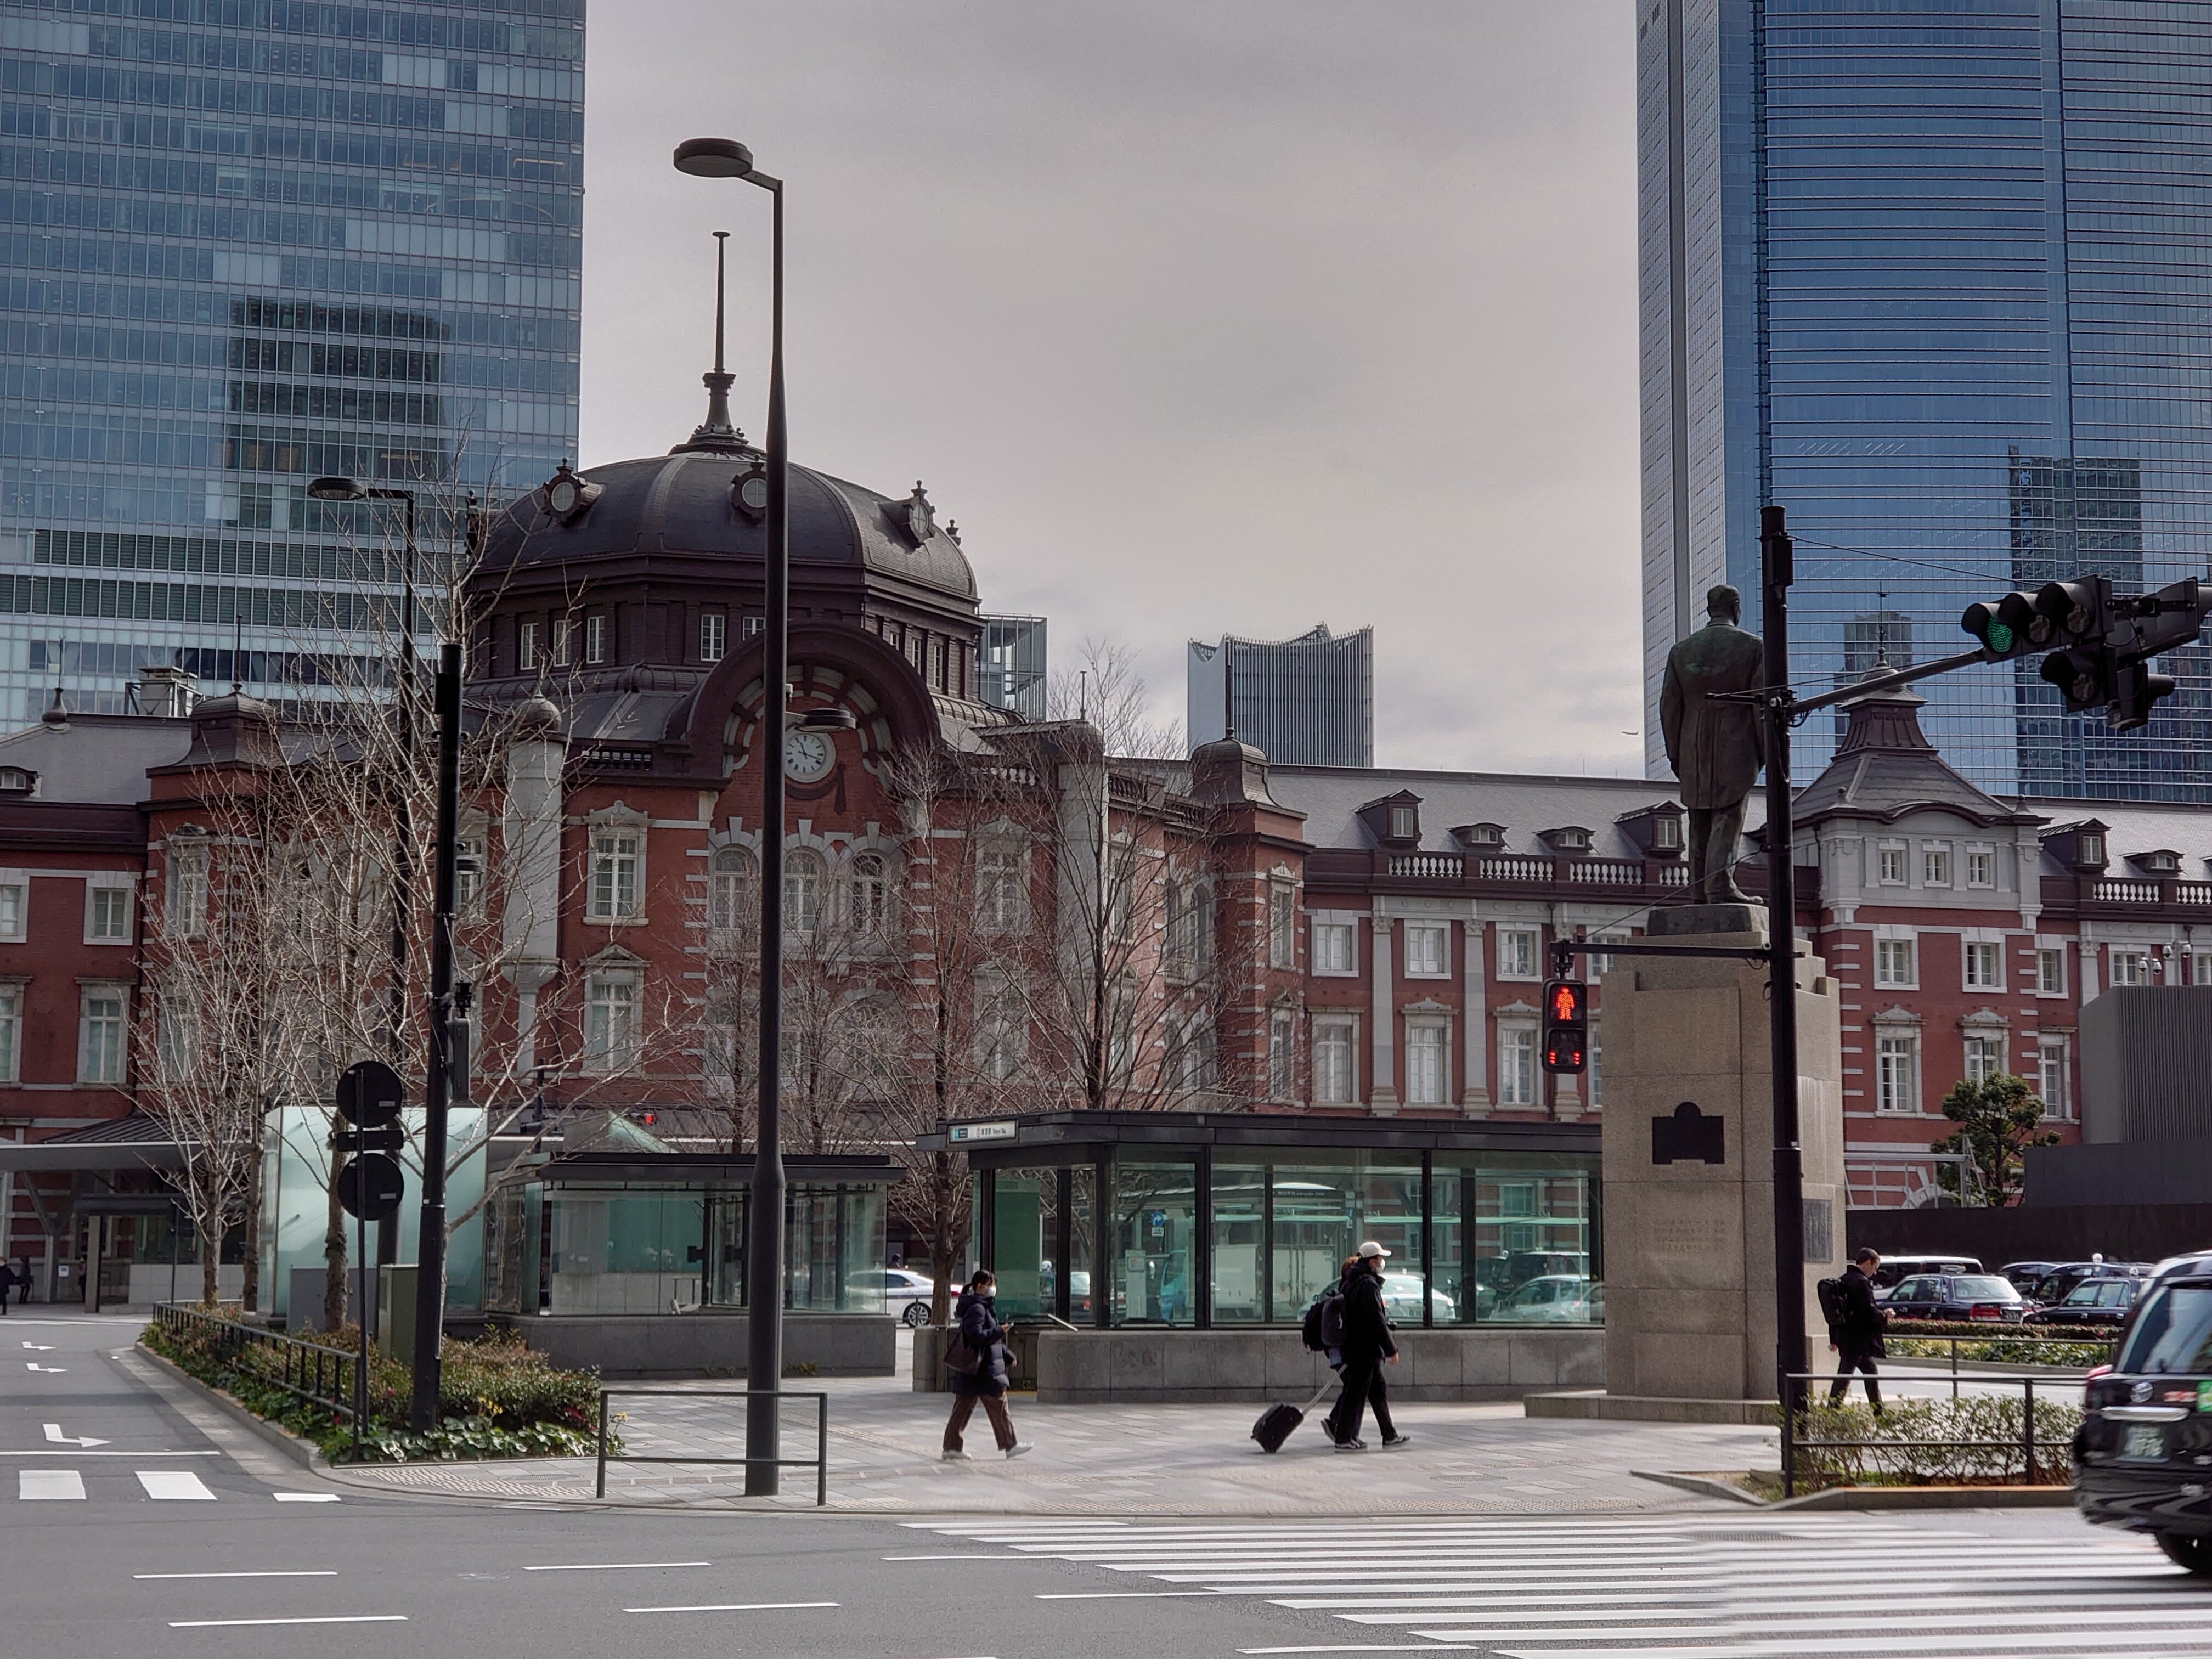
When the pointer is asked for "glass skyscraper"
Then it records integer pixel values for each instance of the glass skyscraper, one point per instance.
(243, 244)
(1936, 275)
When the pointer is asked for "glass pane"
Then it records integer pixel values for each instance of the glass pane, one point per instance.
(834, 1246)
(1155, 1219)
(1083, 1244)
(1314, 1233)
(1025, 1222)
(726, 1247)
(1390, 1215)
(626, 1250)
(1240, 1219)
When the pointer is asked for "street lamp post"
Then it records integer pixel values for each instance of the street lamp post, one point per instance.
(725, 158)
(430, 1239)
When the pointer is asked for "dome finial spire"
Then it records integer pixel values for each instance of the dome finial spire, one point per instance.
(716, 432)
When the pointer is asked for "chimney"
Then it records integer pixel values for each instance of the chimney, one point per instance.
(165, 693)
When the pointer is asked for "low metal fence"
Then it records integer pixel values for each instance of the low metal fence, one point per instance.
(1793, 1439)
(322, 1375)
(1894, 1334)
(819, 1462)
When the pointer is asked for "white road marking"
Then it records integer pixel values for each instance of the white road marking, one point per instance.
(957, 1558)
(101, 1453)
(294, 1573)
(33, 1484)
(618, 1566)
(737, 1607)
(54, 1434)
(2011, 1642)
(1124, 1595)
(50, 1370)
(39, 1348)
(1369, 1647)
(326, 1619)
(306, 1496)
(172, 1485)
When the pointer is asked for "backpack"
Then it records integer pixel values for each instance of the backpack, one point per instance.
(1831, 1293)
(1322, 1327)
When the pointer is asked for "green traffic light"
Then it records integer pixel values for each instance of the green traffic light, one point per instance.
(1999, 637)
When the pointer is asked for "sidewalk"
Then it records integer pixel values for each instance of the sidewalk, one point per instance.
(1120, 1460)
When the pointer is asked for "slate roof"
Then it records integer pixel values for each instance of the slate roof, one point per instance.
(97, 759)
(1885, 768)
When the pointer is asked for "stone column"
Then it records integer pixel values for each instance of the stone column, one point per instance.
(1689, 1192)
(2086, 958)
(1383, 1001)
(1475, 1028)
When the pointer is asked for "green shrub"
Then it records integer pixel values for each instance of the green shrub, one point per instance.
(1904, 1446)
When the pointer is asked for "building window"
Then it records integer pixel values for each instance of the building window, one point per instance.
(561, 630)
(1896, 964)
(2051, 1076)
(615, 859)
(100, 1037)
(1935, 866)
(1001, 872)
(1889, 864)
(871, 893)
(1282, 924)
(14, 911)
(1428, 950)
(526, 647)
(1405, 824)
(1593, 1089)
(802, 891)
(2091, 848)
(2051, 970)
(595, 639)
(1193, 1061)
(1516, 953)
(610, 1022)
(1897, 1072)
(188, 892)
(729, 892)
(1190, 929)
(1282, 1043)
(1984, 1056)
(714, 631)
(753, 625)
(107, 919)
(2200, 968)
(2130, 967)
(1984, 966)
(1981, 866)
(1334, 948)
(1428, 1061)
(1517, 1065)
(469, 860)
(11, 1033)
(1335, 1057)
(1667, 833)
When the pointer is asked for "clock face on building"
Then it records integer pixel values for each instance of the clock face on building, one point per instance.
(808, 756)
(562, 496)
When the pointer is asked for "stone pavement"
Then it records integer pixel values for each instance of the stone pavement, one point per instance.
(1119, 1460)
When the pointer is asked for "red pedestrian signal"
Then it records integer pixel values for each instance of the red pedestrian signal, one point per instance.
(1566, 1026)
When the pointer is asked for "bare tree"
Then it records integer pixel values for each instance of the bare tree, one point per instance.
(1106, 693)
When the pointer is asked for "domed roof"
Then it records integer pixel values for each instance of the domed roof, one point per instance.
(685, 503)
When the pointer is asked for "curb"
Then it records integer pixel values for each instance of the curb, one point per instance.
(1705, 1486)
(1873, 1497)
(276, 1437)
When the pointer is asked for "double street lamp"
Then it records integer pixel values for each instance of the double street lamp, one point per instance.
(725, 158)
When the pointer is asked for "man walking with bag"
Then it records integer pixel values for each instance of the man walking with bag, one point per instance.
(1855, 1326)
(1367, 1347)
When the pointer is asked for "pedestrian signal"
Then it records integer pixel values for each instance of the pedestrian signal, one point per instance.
(1566, 1025)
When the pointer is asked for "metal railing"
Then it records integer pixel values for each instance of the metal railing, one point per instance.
(1794, 1440)
(819, 1462)
(322, 1375)
(2077, 1371)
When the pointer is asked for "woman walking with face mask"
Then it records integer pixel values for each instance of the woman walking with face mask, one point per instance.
(977, 1357)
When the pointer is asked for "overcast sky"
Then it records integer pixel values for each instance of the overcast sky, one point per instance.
(1233, 316)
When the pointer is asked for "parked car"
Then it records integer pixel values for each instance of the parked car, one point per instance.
(1553, 1299)
(1402, 1299)
(1957, 1296)
(1896, 1269)
(2026, 1275)
(2058, 1284)
(2106, 1300)
(906, 1293)
(2142, 1457)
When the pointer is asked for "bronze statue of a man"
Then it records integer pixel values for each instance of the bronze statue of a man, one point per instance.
(1714, 748)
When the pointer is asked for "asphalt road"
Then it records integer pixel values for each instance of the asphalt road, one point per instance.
(190, 1539)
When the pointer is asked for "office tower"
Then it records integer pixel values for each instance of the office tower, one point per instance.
(1011, 672)
(1306, 701)
(251, 245)
(1933, 280)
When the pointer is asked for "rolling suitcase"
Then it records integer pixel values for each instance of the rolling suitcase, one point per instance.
(1276, 1422)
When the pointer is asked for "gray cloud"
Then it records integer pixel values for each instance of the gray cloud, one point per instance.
(1228, 317)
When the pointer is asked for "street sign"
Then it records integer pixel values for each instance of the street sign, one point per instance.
(392, 1138)
(370, 1094)
(370, 1188)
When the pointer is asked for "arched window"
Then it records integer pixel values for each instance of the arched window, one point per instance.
(729, 890)
(802, 891)
(871, 893)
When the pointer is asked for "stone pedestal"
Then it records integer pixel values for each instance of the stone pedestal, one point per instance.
(1688, 1178)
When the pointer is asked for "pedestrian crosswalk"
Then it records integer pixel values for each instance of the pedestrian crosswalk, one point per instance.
(1684, 1587)
(163, 1486)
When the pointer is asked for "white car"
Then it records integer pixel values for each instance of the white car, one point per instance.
(906, 1292)
(1553, 1299)
(1402, 1299)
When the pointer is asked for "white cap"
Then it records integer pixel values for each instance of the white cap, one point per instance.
(1371, 1249)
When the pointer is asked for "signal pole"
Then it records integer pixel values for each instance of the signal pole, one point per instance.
(1776, 560)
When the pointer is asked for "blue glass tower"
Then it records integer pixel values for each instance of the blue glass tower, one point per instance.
(1936, 276)
(244, 243)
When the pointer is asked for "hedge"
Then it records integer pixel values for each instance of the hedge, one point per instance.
(1902, 1444)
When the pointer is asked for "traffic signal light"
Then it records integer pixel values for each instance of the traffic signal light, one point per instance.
(2086, 676)
(1566, 1025)
(2135, 694)
(2013, 627)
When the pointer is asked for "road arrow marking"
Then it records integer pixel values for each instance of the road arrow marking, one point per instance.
(54, 1433)
(50, 1370)
(39, 1348)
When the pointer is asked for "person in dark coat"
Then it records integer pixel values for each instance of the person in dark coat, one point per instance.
(980, 1332)
(7, 1285)
(1857, 1337)
(1367, 1348)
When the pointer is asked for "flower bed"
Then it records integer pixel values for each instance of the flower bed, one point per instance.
(496, 1399)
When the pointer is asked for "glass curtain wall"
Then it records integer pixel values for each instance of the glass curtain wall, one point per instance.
(1517, 1243)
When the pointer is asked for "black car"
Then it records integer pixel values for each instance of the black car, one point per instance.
(2107, 1300)
(2026, 1275)
(2058, 1284)
(2142, 1458)
(1956, 1295)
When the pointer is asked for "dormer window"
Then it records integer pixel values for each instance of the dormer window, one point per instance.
(1571, 840)
(1395, 820)
(14, 780)
(1405, 824)
(2164, 862)
(2090, 849)
(1482, 837)
(1667, 833)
